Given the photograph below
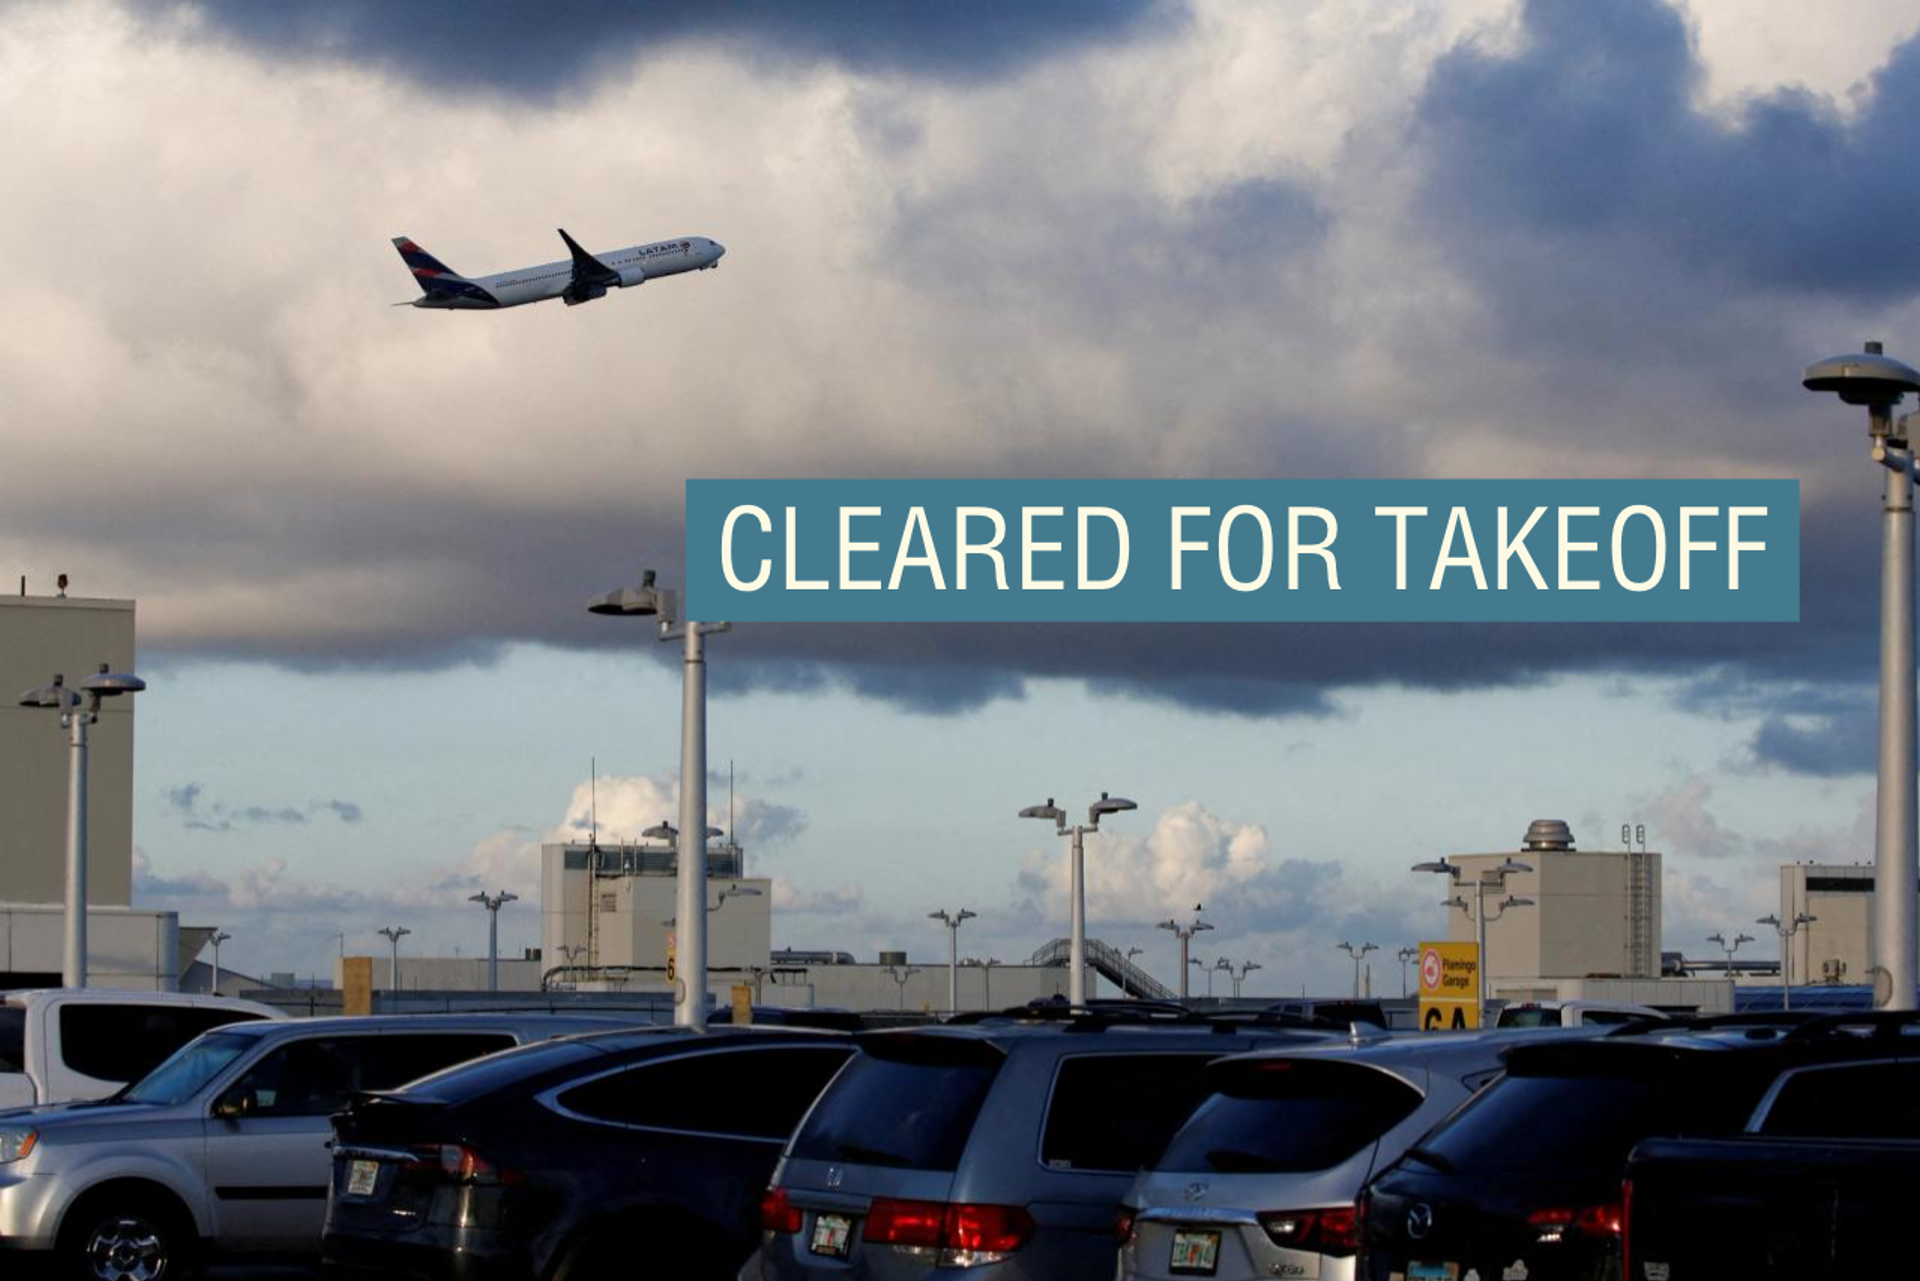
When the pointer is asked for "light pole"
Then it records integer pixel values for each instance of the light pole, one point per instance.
(690, 944)
(1730, 948)
(1405, 955)
(1219, 963)
(1246, 968)
(900, 976)
(493, 903)
(1478, 909)
(986, 981)
(1185, 934)
(1356, 953)
(393, 934)
(1201, 965)
(219, 937)
(1879, 382)
(952, 922)
(1077, 952)
(75, 720)
(1786, 933)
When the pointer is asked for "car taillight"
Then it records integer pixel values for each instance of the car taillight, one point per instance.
(964, 1234)
(1334, 1231)
(777, 1213)
(893, 1222)
(461, 1164)
(1560, 1222)
(1626, 1230)
(1123, 1226)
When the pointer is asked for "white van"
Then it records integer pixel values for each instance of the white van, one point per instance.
(1574, 1013)
(62, 1045)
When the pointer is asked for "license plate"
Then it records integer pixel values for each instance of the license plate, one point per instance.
(1433, 1272)
(830, 1233)
(361, 1177)
(1195, 1253)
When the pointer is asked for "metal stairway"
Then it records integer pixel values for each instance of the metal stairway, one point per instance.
(1112, 965)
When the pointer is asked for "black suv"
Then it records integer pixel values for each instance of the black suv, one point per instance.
(1525, 1179)
(574, 1160)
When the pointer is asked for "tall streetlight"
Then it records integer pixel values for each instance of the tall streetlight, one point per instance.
(1786, 933)
(1404, 956)
(986, 981)
(1478, 909)
(76, 720)
(1878, 382)
(1222, 964)
(1246, 968)
(493, 903)
(1356, 953)
(1185, 934)
(219, 937)
(1729, 948)
(690, 944)
(952, 922)
(900, 975)
(393, 934)
(1077, 953)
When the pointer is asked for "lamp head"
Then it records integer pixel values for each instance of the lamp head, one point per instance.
(1514, 865)
(1200, 925)
(1108, 805)
(661, 831)
(1438, 865)
(1738, 939)
(54, 695)
(1047, 811)
(966, 914)
(106, 684)
(1721, 939)
(1871, 378)
(641, 601)
(1513, 901)
(1768, 919)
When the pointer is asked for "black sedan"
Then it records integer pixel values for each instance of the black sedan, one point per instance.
(639, 1153)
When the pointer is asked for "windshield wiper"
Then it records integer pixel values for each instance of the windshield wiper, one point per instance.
(871, 1156)
(1427, 1156)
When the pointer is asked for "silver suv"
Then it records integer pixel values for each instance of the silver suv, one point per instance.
(223, 1147)
(999, 1150)
(1261, 1180)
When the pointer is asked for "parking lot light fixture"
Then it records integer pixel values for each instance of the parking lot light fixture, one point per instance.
(1878, 382)
(1404, 956)
(393, 934)
(1786, 931)
(1246, 968)
(1356, 953)
(493, 903)
(952, 921)
(648, 600)
(218, 937)
(79, 710)
(1077, 893)
(1185, 934)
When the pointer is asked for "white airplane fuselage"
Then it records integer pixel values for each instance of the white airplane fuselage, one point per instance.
(628, 267)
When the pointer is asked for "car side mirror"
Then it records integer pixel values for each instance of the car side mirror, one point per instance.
(234, 1104)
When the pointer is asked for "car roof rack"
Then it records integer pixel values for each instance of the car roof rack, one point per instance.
(1100, 1014)
(1878, 1024)
(1783, 1020)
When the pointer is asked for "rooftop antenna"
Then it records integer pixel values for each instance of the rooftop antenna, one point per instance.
(730, 797)
(61, 583)
(593, 802)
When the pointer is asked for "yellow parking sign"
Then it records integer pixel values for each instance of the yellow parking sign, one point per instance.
(1449, 986)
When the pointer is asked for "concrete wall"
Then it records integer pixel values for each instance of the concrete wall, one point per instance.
(874, 987)
(611, 920)
(39, 636)
(1841, 934)
(447, 973)
(1579, 925)
(126, 947)
(1707, 996)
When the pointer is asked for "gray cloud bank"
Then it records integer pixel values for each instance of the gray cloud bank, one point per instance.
(1239, 243)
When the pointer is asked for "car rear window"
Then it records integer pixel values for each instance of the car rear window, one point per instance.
(1274, 1116)
(1534, 1122)
(480, 1077)
(1531, 1016)
(903, 1103)
(1115, 1112)
(13, 1039)
(114, 1042)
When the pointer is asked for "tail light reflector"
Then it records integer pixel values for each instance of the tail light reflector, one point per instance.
(777, 1213)
(1559, 1222)
(458, 1163)
(1123, 1226)
(1334, 1231)
(964, 1234)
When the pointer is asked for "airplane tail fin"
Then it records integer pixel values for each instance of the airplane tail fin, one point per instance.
(427, 270)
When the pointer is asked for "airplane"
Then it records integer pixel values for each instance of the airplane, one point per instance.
(582, 279)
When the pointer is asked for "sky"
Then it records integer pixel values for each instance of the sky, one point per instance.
(1461, 239)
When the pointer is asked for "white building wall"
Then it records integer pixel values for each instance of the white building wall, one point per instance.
(126, 947)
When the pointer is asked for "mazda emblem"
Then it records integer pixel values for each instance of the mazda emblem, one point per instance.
(1420, 1221)
(834, 1175)
(1197, 1189)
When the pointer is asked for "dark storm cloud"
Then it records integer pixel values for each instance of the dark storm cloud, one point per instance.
(186, 802)
(495, 46)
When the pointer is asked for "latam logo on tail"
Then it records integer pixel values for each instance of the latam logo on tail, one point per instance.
(581, 279)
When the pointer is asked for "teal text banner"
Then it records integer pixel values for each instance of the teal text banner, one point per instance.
(1577, 551)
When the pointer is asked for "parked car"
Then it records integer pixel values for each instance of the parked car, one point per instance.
(1261, 1180)
(583, 1158)
(1576, 1014)
(62, 1044)
(1006, 1142)
(222, 1149)
(1340, 1013)
(1526, 1177)
(1819, 1184)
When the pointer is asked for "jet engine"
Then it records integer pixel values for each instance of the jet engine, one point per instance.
(631, 275)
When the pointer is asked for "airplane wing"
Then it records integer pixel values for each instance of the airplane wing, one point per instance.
(591, 277)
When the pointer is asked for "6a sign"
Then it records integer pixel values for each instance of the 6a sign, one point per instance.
(1449, 986)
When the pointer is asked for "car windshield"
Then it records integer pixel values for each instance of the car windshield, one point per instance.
(1288, 1115)
(13, 1039)
(188, 1071)
(1529, 1016)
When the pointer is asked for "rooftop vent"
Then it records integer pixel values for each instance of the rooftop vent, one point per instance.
(1548, 834)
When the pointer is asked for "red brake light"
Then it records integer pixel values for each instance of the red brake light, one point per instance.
(777, 1214)
(461, 1164)
(894, 1222)
(1586, 1220)
(1123, 1226)
(1334, 1231)
(987, 1229)
(959, 1229)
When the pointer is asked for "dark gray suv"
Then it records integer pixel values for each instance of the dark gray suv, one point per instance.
(1003, 1147)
